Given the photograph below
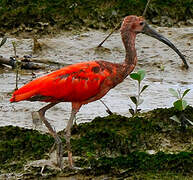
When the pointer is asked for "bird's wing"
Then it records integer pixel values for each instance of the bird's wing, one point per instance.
(73, 83)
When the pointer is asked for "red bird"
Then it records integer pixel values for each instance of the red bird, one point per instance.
(85, 82)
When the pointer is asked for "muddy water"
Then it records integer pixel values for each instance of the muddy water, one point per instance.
(162, 65)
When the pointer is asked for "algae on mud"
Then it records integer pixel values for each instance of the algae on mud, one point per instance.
(17, 145)
(27, 15)
(113, 145)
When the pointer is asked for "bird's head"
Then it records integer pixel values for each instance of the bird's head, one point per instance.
(134, 24)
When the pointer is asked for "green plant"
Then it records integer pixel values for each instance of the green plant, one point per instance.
(139, 76)
(17, 65)
(180, 105)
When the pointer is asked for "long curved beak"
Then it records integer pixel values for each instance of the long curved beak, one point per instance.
(151, 32)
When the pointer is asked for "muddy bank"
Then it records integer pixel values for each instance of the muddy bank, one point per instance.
(149, 145)
(51, 16)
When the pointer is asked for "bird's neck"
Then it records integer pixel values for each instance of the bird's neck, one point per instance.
(131, 55)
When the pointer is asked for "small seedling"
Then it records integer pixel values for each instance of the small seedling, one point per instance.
(17, 65)
(180, 105)
(139, 76)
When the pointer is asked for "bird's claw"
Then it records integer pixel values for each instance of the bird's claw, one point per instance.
(76, 168)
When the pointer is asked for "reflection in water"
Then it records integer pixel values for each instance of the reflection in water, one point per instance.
(162, 65)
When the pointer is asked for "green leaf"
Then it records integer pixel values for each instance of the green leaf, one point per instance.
(135, 76)
(141, 74)
(13, 43)
(89, 154)
(189, 121)
(184, 104)
(133, 99)
(144, 87)
(175, 118)
(185, 92)
(173, 92)
(138, 110)
(131, 111)
(180, 105)
(162, 67)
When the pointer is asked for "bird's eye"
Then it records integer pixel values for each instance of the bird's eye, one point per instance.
(141, 23)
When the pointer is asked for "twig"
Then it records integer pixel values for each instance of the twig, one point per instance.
(3, 41)
(145, 10)
(17, 65)
(118, 25)
(25, 63)
(108, 110)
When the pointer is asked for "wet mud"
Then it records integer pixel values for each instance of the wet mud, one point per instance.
(163, 67)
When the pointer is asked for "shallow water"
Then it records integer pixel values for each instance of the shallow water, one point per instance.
(153, 56)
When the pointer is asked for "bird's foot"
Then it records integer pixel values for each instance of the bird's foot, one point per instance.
(70, 162)
(42, 163)
(76, 168)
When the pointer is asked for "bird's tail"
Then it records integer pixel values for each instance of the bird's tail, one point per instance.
(19, 95)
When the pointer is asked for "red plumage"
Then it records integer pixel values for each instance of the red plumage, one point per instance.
(74, 83)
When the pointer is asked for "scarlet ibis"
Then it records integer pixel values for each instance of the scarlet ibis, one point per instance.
(85, 82)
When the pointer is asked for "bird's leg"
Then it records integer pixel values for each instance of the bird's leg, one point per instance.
(75, 109)
(53, 133)
(68, 136)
